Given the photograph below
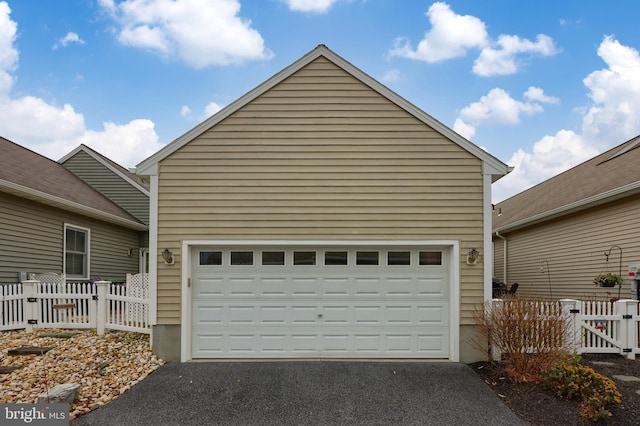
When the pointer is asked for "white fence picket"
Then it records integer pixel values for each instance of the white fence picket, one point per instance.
(12, 305)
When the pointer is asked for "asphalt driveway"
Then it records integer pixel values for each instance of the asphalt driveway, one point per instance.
(307, 393)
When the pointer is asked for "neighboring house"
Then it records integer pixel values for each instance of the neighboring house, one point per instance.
(121, 186)
(51, 221)
(320, 215)
(553, 237)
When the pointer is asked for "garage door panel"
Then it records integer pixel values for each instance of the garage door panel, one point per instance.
(433, 315)
(329, 343)
(432, 287)
(307, 311)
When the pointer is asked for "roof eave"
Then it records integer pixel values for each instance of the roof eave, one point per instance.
(596, 200)
(61, 203)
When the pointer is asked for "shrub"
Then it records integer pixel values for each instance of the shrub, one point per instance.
(572, 380)
(530, 334)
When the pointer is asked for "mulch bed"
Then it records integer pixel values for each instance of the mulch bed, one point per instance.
(538, 405)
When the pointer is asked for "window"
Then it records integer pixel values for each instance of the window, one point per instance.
(398, 258)
(304, 258)
(242, 258)
(76, 252)
(210, 258)
(431, 258)
(332, 258)
(367, 258)
(273, 258)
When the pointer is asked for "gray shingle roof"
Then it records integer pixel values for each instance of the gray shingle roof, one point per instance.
(610, 174)
(23, 170)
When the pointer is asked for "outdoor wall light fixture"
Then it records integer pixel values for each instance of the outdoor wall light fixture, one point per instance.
(168, 257)
(472, 257)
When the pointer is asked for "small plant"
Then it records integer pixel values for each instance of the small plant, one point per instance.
(530, 335)
(572, 380)
(608, 279)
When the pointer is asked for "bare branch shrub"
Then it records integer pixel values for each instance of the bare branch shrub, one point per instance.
(530, 335)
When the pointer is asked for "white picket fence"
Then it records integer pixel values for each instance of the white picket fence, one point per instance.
(595, 326)
(100, 305)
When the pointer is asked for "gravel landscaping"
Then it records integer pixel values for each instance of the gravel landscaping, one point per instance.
(105, 366)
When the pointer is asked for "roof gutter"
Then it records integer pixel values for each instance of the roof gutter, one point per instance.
(604, 197)
(51, 200)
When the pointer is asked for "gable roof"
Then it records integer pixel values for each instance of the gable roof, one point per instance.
(32, 176)
(131, 178)
(492, 165)
(611, 175)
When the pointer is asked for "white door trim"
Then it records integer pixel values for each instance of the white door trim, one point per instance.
(454, 274)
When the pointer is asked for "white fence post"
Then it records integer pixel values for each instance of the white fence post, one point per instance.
(101, 315)
(628, 309)
(496, 354)
(570, 309)
(29, 291)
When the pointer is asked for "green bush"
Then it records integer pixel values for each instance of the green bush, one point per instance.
(572, 380)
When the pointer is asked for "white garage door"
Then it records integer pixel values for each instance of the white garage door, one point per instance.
(317, 302)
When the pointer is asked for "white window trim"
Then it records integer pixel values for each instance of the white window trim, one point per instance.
(64, 250)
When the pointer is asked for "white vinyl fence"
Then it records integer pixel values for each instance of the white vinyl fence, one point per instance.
(100, 305)
(595, 326)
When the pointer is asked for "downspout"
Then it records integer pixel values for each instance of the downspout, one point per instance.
(504, 255)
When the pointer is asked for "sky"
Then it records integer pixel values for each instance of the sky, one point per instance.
(542, 86)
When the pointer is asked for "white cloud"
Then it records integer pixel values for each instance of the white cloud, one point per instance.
(451, 35)
(505, 59)
(126, 144)
(211, 109)
(68, 39)
(201, 33)
(53, 131)
(497, 107)
(615, 92)
(464, 129)
(391, 76)
(185, 111)
(314, 6)
(537, 94)
(8, 53)
(612, 119)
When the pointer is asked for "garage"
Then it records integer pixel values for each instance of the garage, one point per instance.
(320, 301)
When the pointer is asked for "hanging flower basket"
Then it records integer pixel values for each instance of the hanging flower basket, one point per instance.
(608, 280)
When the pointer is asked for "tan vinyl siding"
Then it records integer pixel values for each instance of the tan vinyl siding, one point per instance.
(31, 237)
(320, 156)
(110, 184)
(574, 246)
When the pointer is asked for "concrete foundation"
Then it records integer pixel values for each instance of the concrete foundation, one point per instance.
(166, 342)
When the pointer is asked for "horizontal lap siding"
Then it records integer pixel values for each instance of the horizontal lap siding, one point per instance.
(31, 237)
(574, 248)
(306, 162)
(110, 184)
